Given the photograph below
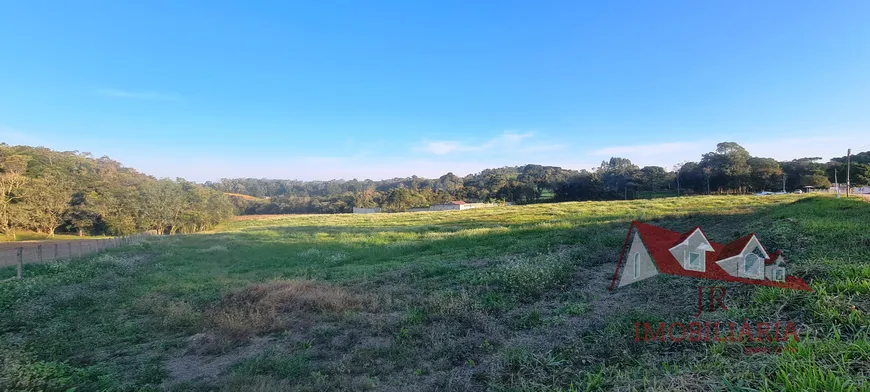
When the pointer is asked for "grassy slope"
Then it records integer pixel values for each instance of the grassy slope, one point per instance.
(511, 298)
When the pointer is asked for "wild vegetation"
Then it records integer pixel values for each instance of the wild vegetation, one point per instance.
(728, 170)
(504, 299)
(44, 191)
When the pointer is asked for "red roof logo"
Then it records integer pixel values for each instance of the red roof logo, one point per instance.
(651, 250)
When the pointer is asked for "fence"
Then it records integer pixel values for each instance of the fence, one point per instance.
(20, 253)
(357, 210)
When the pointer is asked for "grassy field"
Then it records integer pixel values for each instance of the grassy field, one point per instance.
(502, 299)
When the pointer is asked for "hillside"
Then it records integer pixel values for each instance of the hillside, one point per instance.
(45, 191)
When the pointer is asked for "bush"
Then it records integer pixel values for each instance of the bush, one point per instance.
(529, 278)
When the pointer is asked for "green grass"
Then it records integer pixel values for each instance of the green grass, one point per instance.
(503, 299)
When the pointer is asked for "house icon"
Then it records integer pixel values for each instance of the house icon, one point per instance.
(651, 250)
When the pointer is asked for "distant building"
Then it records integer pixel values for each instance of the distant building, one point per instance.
(453, 205)
(357, 210)
(479, 205)
(855, 190)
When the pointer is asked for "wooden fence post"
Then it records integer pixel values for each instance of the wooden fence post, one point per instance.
(39, 253)
(20, 262)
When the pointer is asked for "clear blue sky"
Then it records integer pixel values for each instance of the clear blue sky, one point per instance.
(322, 89)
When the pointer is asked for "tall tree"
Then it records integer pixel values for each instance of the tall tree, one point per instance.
(653, 177)
(616, 174)
(765, 173)
(45, 201)
(729, 166)
(12, 179)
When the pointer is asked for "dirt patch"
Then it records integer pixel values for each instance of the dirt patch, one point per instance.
(281, 305)
(282, 316)
(208, 368)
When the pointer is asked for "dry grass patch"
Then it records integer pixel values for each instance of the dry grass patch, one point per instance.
(257, 384)
(282, 304)
(172, 314)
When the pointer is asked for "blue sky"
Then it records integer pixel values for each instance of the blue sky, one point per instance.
(349, 89)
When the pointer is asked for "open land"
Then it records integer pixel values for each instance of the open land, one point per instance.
(504, 299)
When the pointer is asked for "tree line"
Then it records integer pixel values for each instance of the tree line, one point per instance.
(49, 191)
(730, 169)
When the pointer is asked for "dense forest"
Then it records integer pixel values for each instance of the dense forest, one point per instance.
(731, 169)
(47, 191)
